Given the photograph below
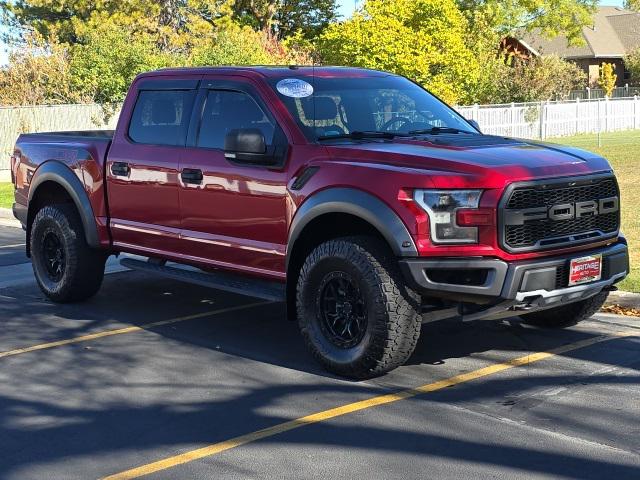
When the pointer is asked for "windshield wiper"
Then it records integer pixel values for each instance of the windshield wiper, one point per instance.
(362, 135)
(436, 130)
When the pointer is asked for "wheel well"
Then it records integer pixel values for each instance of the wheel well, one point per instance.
(319, 230)
(47, 193)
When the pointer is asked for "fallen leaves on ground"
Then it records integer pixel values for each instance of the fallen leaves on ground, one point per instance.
(620, 310)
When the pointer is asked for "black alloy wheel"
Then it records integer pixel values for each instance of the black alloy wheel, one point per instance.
(53, 256)
(342, 310)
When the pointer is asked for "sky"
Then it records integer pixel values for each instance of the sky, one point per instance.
(346, 8)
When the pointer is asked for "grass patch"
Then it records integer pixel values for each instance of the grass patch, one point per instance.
(6, 195)
(622, 150)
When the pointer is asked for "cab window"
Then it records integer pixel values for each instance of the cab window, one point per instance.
(227, 110)
(161, 117)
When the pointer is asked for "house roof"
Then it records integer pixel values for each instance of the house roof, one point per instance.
(615, 32)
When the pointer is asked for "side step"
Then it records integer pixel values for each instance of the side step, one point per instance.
(227, 282)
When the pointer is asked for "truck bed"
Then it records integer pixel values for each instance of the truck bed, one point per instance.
(83, 153)
(67, 135)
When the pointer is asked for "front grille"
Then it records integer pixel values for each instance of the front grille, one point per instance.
(547, 233)
(537, 197)
(518, 236)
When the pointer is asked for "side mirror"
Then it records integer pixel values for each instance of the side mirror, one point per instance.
(474, 124)
(247, 145)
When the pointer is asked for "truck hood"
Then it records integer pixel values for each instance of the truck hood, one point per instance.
(459, 161)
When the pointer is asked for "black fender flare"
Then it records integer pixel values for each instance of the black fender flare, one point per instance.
(359, 204)
(57, 172)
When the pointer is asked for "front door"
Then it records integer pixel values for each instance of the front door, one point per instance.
(233, 213)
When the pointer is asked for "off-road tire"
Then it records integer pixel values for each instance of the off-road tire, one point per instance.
(83, 267)
(567, 315)
(392, 309)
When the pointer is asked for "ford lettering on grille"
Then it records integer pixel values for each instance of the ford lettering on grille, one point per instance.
(539, 216)
(566, 211)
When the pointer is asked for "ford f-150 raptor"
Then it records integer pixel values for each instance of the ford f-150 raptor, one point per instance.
(355, 196)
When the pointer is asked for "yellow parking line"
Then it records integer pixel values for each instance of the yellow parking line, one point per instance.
(351, 408)
(122, 331)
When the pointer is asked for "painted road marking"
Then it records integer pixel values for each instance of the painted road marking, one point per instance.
(325, 415)
(122, 331)
(14, 245)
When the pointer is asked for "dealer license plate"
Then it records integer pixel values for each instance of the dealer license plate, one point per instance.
(585, 270)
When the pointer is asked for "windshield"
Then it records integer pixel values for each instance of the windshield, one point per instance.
(344, 106)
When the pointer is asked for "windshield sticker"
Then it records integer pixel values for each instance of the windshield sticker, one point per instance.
(294, 88)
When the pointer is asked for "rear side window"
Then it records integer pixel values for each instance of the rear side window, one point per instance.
(161, 117)
(229, 110)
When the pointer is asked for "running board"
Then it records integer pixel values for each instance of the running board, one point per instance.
(227, 282)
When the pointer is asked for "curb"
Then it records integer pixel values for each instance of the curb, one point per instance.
(624, 299)
(7, 219)
(6, 213)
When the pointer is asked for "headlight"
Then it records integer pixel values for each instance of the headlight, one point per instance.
(442, 207)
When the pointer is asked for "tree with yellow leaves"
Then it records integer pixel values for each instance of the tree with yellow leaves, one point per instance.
(608, 78)
(423, 40)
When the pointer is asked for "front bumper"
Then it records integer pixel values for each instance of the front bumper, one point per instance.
(517, 286)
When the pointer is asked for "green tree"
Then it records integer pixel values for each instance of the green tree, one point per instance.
(632, 5)
(608, 78)
(632, 62)
(542, 78)
(39, 73)
(107, 58)
(550, 17)
(106, 47)
(238, 45)
(286, 17)
(421, 39)
(66, 21)
(173, 21)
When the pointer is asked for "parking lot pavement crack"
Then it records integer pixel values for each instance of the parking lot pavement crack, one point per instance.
(617, 324)
(524, 424)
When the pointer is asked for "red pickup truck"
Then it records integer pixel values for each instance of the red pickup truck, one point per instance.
(356, 196)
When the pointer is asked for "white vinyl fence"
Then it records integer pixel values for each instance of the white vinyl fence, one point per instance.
(47, 118)
(524, 120)
(556, 119)
(595, 93)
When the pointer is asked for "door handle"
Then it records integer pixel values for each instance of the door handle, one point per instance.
(120, 169)
(192, 175)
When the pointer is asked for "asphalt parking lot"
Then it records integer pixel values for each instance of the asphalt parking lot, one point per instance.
(161, 379)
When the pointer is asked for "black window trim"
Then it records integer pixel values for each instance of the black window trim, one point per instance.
(280, 138)
(173, 86)
(169, 84)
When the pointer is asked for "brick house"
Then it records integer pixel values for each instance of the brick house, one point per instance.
(615, 32)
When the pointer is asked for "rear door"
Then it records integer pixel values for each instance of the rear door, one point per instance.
(142, 167)
(234, 214)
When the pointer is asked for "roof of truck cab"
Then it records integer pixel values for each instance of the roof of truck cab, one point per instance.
(271, 71)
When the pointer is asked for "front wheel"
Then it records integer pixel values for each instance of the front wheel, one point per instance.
(66, 268)
(357, 316)
(567, 315)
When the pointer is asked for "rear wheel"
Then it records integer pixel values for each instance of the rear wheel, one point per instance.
(567, 315)
(65, 267)
(357, 316)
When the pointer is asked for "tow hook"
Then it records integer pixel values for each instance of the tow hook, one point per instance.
(528, 304)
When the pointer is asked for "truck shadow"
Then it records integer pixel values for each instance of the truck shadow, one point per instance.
(88, 404)
(260, 333)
